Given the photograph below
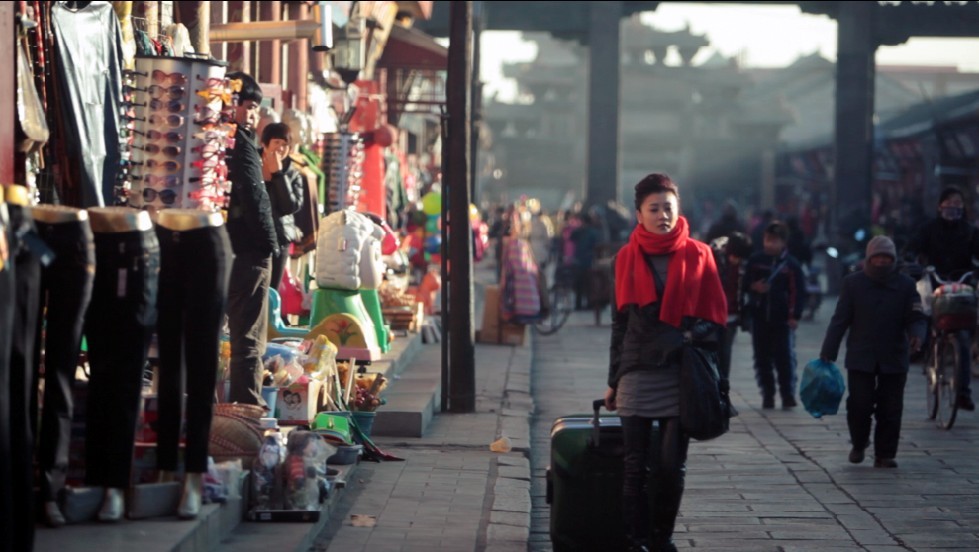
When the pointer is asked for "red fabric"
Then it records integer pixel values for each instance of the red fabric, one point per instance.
(693, 287)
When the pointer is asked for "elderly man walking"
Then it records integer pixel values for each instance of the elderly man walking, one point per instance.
(882, 311)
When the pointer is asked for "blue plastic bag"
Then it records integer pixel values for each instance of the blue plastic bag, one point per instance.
(821, 388)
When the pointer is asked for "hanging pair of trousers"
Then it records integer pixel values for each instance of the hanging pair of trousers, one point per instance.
(654, 468)
(27, 267)
(880, 397)
(7, 275)
(194, 269)
(248, 322)
(118, 328)
(66, 289)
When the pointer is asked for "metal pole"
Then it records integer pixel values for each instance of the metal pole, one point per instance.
(456, 187)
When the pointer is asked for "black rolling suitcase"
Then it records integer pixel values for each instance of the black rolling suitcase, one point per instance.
(584, 482)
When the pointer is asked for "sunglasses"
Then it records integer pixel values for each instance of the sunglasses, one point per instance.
(173, 121)
(164, 78)
(208, 162)
(169, 151)
(166, 197)
(169, 166)
(156, 91)
(169, 181)
(207, 115)
(173, 106)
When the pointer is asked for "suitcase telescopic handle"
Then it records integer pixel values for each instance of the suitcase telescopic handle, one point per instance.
(596, 428)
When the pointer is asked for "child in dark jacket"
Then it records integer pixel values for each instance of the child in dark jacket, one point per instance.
(776, 290)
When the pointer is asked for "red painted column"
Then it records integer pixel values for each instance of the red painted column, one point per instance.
(8, 91)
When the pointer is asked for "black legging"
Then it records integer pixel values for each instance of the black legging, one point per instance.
(657, 460)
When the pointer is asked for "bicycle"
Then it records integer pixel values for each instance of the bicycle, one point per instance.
(953, 309)
(560, 297)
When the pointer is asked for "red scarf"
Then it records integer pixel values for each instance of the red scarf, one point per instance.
(693, 287)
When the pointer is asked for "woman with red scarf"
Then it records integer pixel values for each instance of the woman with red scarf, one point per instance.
(667, 292)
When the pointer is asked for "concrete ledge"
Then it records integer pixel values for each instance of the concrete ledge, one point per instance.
(412, 397)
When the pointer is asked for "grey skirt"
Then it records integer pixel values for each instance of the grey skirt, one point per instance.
(649, 393)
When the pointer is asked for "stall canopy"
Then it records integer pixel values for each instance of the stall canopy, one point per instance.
(412, 49)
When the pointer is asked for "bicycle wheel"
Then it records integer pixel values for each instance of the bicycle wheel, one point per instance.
(945, 395)
(562, 302)
(931, 379)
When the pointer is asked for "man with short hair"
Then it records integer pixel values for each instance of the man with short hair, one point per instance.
(253, 239)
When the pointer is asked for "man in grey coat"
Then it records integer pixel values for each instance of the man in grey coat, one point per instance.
(882, 311)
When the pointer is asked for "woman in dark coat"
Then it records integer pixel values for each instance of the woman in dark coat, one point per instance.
(666, 291)
(881, 309)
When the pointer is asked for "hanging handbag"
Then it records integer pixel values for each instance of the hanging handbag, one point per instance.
(705, 406)
(30, 125)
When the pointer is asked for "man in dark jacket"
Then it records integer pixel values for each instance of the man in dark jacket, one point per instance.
(950, 243)
(776, 290)
(881, 309)
(285, 185)
(253, 239)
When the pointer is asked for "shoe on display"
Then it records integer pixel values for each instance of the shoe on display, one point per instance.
(190, 499)
(113, 505)
(52, 515)
(965, 403)
(856, 455)
(885, 463)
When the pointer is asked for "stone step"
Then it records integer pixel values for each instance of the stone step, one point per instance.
(412, 397)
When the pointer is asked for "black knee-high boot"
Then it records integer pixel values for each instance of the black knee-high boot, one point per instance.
(665, 507)
(635, 515)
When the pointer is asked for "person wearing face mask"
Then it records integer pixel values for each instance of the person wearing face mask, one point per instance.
(950, 243)
(666, 291)
(881, 309)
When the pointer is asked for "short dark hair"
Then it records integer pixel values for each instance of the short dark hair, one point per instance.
(949, 191)
(655, 183)
(250, 90)
(738, 244)
(274, 131)
(778, 229)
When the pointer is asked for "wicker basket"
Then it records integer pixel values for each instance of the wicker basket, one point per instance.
(233, 436)
(244, 410)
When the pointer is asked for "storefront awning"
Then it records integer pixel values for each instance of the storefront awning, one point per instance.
(412, 49)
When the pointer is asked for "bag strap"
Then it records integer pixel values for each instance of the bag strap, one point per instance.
(660, 285)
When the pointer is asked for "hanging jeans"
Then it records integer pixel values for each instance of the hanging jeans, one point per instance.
(27, 285)
(7, 281)
(248, 322)
(118, 328)
(66, 289)
(194, 269)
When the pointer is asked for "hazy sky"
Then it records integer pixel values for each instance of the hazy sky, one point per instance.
(763, 36)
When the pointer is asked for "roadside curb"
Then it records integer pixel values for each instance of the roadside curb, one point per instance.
(509, 524)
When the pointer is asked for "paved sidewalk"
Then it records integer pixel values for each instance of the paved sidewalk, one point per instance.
(452, 493)
(780, 480)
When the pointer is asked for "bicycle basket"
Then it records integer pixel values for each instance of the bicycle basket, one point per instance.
(954, 307)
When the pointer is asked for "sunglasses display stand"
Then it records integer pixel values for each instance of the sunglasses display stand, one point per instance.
(180, 135)
(345, 159)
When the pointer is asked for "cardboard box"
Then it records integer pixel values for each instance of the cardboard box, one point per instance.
(298, 403)
(494, 329)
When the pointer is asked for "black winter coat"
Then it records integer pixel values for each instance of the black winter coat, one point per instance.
(641, 341)
(879, 315)
(250, 225)
(286, 195)
(948, 246)
(786, 297)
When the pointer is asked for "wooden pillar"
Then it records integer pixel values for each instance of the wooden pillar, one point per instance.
(298, 59)
(219, 15)
(239, 53)
(270, 51)
(461, 370)
(8, 92)
(196, 16)
(603, 102)
(855, 71)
